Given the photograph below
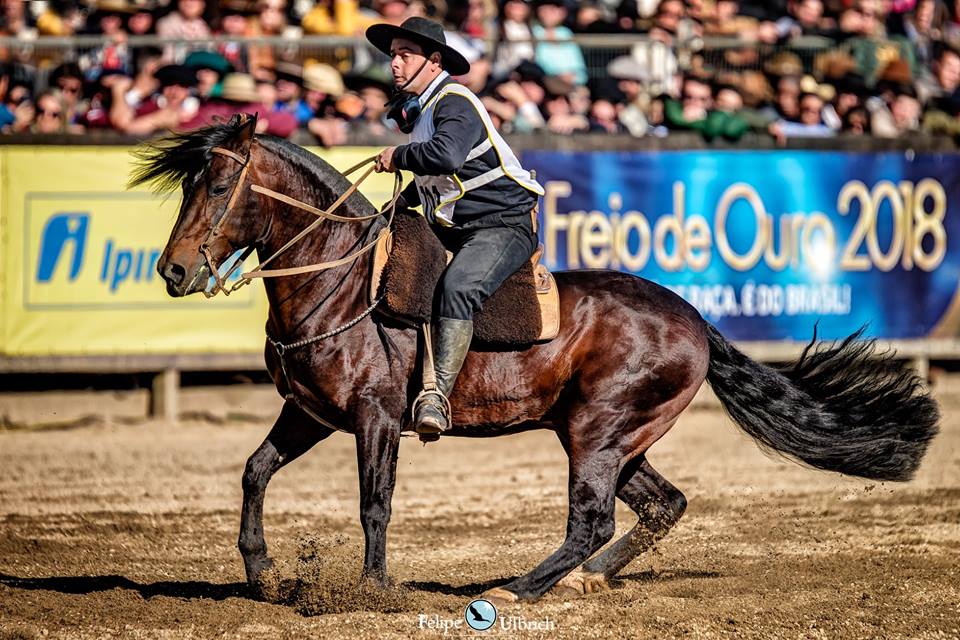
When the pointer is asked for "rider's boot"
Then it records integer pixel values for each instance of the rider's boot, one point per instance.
(451, 345)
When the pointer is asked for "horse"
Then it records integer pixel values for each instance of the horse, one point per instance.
(629, 358)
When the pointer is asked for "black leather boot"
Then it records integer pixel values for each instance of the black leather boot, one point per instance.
(450, 347)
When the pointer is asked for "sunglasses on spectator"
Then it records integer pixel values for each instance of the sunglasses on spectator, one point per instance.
(53, 114)
(687, 96)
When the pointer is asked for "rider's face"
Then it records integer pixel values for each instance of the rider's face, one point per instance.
(406, 60)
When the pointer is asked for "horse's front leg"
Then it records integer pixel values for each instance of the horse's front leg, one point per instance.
(293, 434)
(378, 440)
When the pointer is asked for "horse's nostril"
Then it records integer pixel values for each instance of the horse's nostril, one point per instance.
(174, 273)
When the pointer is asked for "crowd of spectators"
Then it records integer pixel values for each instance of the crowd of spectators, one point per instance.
(721, 68)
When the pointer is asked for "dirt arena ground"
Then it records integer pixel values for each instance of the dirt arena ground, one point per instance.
(130, 530)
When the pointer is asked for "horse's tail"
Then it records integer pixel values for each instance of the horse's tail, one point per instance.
(840, 407)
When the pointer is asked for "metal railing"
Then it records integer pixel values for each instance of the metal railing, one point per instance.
(347, 53)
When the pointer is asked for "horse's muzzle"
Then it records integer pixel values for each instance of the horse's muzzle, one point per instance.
(178, 283)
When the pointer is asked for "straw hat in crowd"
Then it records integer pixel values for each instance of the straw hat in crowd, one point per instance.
(239, 87)
(323, 78)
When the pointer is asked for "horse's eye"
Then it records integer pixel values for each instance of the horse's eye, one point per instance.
(218, 190)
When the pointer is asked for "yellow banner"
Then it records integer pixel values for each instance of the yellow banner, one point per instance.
(79, 255)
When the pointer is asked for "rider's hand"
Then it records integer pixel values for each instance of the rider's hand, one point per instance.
(385, 161)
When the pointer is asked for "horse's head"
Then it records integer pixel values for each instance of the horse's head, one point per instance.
(216, 218)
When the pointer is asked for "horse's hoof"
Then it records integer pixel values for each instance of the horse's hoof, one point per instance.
(255, 568)
(579, 582)
(500, 596)
(268, 586)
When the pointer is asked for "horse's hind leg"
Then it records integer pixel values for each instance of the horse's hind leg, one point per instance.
(590, 522)
(657, 503)
(293, 434)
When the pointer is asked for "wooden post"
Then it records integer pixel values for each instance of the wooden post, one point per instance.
(922, 366)
(164, 401)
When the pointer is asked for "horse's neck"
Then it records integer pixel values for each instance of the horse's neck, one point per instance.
(311, 303)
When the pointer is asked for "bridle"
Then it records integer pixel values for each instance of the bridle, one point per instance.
(326, 214)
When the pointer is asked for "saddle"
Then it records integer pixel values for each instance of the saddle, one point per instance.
(409, 261)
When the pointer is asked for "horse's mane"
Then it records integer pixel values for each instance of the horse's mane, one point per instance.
(165, 163)
(168, 162)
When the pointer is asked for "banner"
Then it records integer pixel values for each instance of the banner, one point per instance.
(766, 244)
(79, 256)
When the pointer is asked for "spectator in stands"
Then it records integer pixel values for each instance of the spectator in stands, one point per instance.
(290, 91)
(392, 11)
(16, 19)
(871, 46)
(335, 18)
(809, 123)
(186, 22)
(61, 18)
(856, 122)
(696, 99)
(210, 68)
(324, 86)
(722, 19)
(560, 115)
(235, 22)
(67, 79)
(516, 101)
(115, 54)
(516, 38)
(141, 22)
(804, 18)
(657, 54)
(924, 27)
(49, 114)
(174, 106)
(239, 94)
(896, 111)
(603, 116)
(479, 22)
(631, 78)
(556, 53)
(373, 86)
(474, 50)
(7, 117)
(850, 94)
(944, 80)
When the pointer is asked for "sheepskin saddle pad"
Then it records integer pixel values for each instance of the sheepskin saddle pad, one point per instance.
(409, 261)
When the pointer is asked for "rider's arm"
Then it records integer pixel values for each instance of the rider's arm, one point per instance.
(458, 128)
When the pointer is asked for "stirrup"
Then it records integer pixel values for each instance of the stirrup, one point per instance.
(431, 436)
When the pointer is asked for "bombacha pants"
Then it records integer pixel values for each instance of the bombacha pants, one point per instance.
(482, 260)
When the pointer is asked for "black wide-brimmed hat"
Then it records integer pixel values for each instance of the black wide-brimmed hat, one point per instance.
(427, 33)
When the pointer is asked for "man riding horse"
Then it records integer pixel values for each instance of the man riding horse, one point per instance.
(476, 196)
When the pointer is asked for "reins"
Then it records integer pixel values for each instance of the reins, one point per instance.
(325, 214)
(260, 272)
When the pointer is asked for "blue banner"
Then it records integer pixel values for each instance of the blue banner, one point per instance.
(765, 244)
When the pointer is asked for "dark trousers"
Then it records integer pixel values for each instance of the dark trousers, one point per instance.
(482, 260)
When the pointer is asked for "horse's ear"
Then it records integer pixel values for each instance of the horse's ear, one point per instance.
(248, 125)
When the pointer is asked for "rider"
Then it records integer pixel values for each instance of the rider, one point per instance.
(476, 196)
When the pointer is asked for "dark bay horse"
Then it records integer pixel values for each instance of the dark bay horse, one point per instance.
(629, 358)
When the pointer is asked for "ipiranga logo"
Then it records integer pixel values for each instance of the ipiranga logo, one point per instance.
(64, 253)
(96, 250)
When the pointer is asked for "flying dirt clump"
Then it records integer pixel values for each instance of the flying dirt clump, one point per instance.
(327, 579)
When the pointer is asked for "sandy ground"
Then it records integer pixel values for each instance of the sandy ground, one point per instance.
(130, 531)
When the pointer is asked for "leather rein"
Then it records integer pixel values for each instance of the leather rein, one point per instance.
(325, 214)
